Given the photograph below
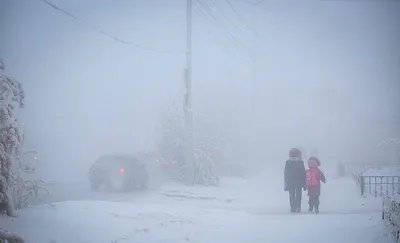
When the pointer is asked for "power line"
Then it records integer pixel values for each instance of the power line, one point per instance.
(200, 12)
(239, 16)
(207, 9)
(108, 35)
(223, 14)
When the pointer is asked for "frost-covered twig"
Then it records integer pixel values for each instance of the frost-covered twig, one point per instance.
(2, 66)
(395, 141)
(22, 189)
(26, 168)
(204, 168)
(34, 187)
(8, 237)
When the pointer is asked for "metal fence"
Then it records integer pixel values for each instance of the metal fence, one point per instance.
(378, 185)
(387, 187)
(391, 216)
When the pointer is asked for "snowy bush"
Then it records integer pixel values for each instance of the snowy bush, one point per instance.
(8, 237)
(204, 167)
(391, 216)
(11, 133)
(171, 148)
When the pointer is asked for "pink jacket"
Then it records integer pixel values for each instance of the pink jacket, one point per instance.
(314, 176)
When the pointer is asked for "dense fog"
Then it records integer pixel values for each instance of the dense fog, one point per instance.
(326, 77)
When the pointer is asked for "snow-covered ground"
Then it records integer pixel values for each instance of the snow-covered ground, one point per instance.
(238, 211)
(124, 222)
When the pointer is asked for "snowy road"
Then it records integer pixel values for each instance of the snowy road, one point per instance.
(256, 196)
(237, 211)
(169, 194)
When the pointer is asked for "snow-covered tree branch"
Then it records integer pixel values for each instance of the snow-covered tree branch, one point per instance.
(9, 237)
(395, 141)
(11, 133)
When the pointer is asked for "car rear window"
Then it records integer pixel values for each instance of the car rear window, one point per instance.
(117, 161)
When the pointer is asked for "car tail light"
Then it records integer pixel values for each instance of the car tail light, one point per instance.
(121, 170)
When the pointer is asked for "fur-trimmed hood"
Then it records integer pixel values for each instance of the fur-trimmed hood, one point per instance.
(294, 159)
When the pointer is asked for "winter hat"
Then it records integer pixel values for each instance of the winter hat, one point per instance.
(295, 153)
(313, 162)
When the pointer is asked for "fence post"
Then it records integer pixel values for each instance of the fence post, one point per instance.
(383, 207)
(341, 170)
(362, 184)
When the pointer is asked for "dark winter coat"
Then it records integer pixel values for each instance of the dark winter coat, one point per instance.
(295, 174)
(316, 190)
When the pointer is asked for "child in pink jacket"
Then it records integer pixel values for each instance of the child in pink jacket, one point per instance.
(314, 176)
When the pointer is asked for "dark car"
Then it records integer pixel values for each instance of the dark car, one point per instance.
(118, 173)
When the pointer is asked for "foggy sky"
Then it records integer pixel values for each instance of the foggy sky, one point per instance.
(88, 94)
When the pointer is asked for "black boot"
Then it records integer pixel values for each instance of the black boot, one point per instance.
(310, 209)
(316, 209)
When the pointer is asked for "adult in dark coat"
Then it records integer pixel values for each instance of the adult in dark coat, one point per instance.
(295, 179)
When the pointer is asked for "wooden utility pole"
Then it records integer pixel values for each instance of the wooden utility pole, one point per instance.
(188, 113)
(254, 107)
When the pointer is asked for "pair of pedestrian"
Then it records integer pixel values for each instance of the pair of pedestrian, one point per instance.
(297, 178)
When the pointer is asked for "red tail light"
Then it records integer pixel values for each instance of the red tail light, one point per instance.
(121, 170)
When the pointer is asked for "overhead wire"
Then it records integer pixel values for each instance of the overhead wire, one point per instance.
(228, 20)
(223, 14)
(238, 15)
(108, 35)
(204, 6)
(201, 13)
(237, 43)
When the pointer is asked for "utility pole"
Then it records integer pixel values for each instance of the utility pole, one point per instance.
(254, 54)
(254, 79)
(253, 59)
(188, 113)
